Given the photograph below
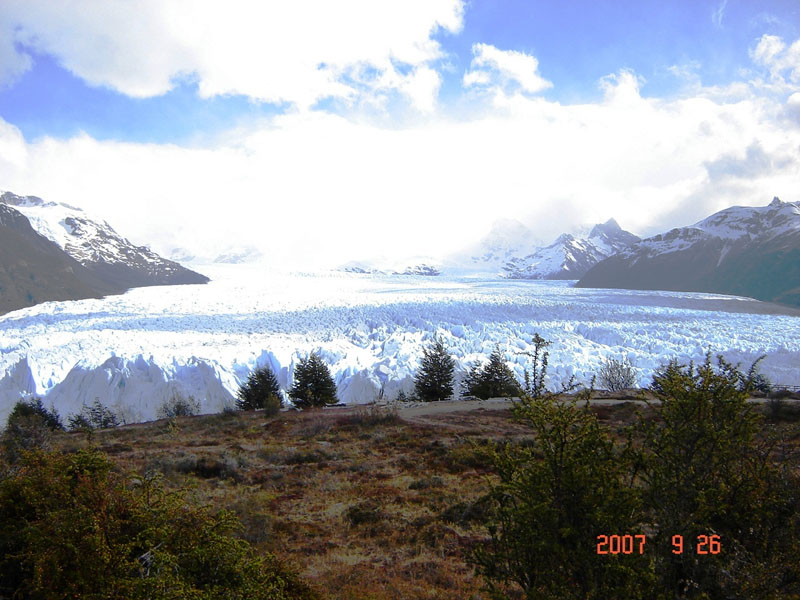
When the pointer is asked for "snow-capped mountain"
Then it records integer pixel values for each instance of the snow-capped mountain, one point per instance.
(34, 269)
(428, 268)
(233, 255)
(98, 247)
(747, 251)
(570, 257)
(55, 252)
(506, 239)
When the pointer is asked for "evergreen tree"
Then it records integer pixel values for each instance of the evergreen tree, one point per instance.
(313, 384)
(493, 380)
(96, 416)
(34, 408)
(260, 390)
(435, 378)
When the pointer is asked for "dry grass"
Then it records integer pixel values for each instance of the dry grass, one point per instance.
(362, 504)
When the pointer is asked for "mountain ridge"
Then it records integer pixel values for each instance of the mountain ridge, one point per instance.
(53, 251)
(745, 251)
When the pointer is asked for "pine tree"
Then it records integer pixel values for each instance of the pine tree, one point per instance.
(494, 380)
(313, 384)
(435, 378)
(260, 390)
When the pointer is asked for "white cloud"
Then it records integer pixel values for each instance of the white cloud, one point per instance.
(316, 187)
(719, 13)
(491, 65)
(781, 61)
(294, 51)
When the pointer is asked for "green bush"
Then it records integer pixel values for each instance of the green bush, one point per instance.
(554, 497)
(700, 467)
(313, 385)
(71, 527)
(34, 408)
(260, 391)
(492, 380)
(705, 471)
(30, 425)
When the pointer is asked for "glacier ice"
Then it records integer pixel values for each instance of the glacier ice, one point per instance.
(135, 351)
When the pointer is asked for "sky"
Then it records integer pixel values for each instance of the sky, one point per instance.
(319, 132)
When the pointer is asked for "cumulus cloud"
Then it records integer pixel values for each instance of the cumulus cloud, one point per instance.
(295, 51)
(318, 188)
(780, 60)
(492, 66)
(310, 186)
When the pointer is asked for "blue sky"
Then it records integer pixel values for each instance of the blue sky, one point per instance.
(576, 43)
(563, 113)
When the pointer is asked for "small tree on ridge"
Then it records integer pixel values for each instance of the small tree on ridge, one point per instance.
(492, 380)
(313, 385)
(435, 378)
(259, 391)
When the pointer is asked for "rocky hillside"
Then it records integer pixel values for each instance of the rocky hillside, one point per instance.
(52, 251)
(744, 251)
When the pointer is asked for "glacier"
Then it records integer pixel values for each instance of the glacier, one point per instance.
(135, 351)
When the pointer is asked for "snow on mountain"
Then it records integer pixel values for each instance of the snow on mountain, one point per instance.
(232, 255)
(96, 246)
(570, 257)
(748, 251)
(136, 350)
(753, 222)
(506, 239)
(420, 265)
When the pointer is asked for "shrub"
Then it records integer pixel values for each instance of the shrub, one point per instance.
(178, 406)
(554, 497)
(71, 527)
(705, 471)
(372, 416)
(617, 375)
(698, 468)
(366, 511)
(29, 426)
(34, 408)
(260, 391)
(435, 378)
(96, 416)
(493, 380)
(534, 378)
(313, 385)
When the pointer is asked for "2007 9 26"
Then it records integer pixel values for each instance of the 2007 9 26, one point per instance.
(628, 544)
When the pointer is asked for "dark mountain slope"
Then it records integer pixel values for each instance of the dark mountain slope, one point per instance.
(744, 251)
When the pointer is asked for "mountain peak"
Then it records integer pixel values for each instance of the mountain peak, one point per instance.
(776, 202)
(608, 229)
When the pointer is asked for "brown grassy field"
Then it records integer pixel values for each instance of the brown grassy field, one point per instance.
(360, 502)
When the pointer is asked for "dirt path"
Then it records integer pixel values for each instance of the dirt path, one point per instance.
(425, 413)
